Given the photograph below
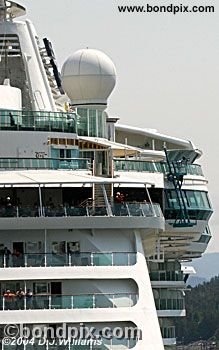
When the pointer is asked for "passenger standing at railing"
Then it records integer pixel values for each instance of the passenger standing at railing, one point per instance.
(7, 254)
(20, 299)
(12, 120)
(29, 299)
(9, 298)
(119, 199)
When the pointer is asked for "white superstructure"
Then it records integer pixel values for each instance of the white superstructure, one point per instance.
(95, 217)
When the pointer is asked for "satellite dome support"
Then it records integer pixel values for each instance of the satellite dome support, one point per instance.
(10, 9)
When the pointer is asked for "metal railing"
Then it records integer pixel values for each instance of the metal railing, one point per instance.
(45, 163)
(170, 304)
(64, 259)
(38, 120)
(168, 332)
(123, 209)
(80, 301)
(152, 167)
(166, 276)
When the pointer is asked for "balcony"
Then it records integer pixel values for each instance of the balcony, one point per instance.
(127, 215)
(170, 304)
(169, 335)
(45, 163)
(73, 259)
(154, 167)
(80, 301)
(38, 121)
(124, 209)
(167, 278)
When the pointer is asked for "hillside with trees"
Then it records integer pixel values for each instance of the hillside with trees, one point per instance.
(202, 320)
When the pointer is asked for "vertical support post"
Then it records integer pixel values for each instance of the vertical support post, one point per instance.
(25, 260)
(128, 259)
(25, 298)
(45, 247)
(149, 197)
(40, 201)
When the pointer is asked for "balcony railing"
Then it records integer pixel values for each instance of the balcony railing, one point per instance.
(166, 276)
(152, 167)
(45, 163)
(80, 301)
(170, 304)
(38, 120)
(168, 332)
(125, 209)
(73, 259)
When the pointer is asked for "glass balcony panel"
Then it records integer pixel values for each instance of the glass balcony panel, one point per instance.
(57, 259)
(163, 304)
(64, 259)
(121, 259)
(135, 209)
(147, 209)
(97, 211)
(119, 343)
(163, 276)
(131, 259)
(104, 301)
(54, 212)
(40, 302)
(120, 209)
(27, 212)
(76, 211)
(154, 276)
(61, 302)
(18, 260)
(170, 304)
(83, 301)
(131, 343)
(9, 212)
(34, 260)
(123, 300)
(102, 259)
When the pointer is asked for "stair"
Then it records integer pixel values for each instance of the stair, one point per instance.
(48, 69)
(99, 195)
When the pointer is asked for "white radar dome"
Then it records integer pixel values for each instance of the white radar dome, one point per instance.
(88, 77)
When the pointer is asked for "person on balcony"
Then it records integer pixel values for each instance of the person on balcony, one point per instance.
(29, 299)
(9, 298)
(119, 201)
(20, 299)
(6, 258)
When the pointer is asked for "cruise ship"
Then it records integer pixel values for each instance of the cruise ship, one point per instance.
(97, 218)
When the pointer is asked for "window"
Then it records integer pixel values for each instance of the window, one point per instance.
(73, 247)
(40, 288)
